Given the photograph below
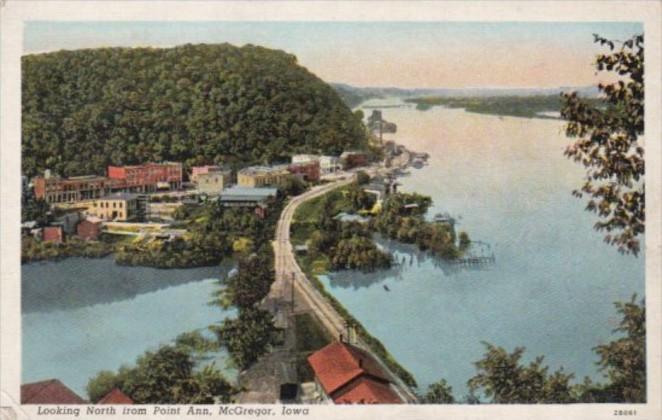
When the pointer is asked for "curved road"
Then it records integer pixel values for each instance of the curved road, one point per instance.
(289, 275)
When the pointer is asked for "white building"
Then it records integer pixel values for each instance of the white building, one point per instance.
(328, 164)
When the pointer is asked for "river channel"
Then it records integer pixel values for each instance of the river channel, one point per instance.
(554, 281)
(80, 316)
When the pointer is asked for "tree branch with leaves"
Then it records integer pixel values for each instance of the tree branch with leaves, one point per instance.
(610, 144)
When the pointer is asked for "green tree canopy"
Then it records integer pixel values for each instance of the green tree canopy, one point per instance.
(439, 393)
(197, 104)
(610, 145)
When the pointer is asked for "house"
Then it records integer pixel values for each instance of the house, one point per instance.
(120, 207)
(309, 171)
(213, 182)
(115, 396)
(262, 176)
(346, 374)
(353, 159)
(147, 177)
(53, 234)
(89, 229)
(51, 391)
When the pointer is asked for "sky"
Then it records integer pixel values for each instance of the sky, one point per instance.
(399, 54)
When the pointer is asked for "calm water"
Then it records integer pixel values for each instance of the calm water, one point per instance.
(554, 281)
(81, 316)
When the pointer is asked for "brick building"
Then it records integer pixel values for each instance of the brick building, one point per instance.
(55, 189)
(355, 159)
(89, 229)
(310, 170)
(147, 177)
(53, 234)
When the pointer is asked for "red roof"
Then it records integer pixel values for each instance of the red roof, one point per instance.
(367, 391)
(341, 365)
(51, 391)
(115, 396)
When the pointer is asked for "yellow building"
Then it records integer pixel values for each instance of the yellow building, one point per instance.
(262, 176)
(213, 182)
(118, 207)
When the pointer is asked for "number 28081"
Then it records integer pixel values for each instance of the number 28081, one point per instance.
(625, 412)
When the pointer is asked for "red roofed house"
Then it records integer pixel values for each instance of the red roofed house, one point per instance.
(51, 391)
(348, 375)
(115, 396)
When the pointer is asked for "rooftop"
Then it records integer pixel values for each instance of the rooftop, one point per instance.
(50, 391)
(256, 170)
(237, 193)
(339, 363)
(115, 396)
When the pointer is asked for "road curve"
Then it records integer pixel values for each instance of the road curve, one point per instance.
(289, 275)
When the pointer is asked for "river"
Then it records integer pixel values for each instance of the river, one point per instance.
(554, 282)
(80, 316)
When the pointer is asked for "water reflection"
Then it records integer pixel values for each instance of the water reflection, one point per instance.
(406, 257)
(79, 282)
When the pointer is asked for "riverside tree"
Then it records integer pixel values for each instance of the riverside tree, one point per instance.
(166, 376)
(610, 144)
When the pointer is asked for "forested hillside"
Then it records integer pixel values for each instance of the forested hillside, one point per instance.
(85, 109)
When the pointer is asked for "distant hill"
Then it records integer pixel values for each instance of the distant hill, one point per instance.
(85, 109)
(353, 95)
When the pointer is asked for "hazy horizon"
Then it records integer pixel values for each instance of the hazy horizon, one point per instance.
(406, 55)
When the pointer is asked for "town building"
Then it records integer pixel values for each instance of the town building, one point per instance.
(51, 391)
(115, 396)
(119, 207)
(255, 198)
(89, 229)
(200, 170)
(55, 189)
(53, 234)
(346, 374)
(147, 177)
(262, 176)
(328, 164)
(353, 159)
(309, 171)
(213, 182)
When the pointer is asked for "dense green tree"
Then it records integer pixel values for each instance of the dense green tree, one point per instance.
(610, 145)
(197, 104)
(165, 376)
(248, 336)
(624, 359)
(362, 177)
(252, 282)
(505, 380)
(36, 210)
(439, 393)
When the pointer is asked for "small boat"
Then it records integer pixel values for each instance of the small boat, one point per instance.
(386, 288)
